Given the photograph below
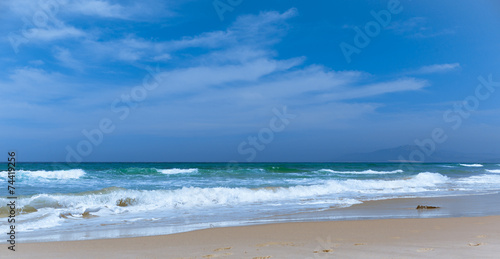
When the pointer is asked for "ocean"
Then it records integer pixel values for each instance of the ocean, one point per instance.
(58, 201)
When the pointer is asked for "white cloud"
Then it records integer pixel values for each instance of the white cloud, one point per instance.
(265, 28)
(98, 8)
(34, 85)
(411, 25)
(236, 80)
(230, 97)
(56, 33)
(129, 49)
(39, 21)
(436, 68)
(67, 60)
(145, 10)
(249, 35)
(36, 62)
(26, 8)
(399, 85)
(162, 57)
(417, 27)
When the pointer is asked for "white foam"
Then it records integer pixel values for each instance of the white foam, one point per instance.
(190, 197)
(42, 219)
(362, 172)
(337, 192)
(344, 192)
(59, 174)
(472, 165)
(480, 180)
(178, 171)
(495, 171)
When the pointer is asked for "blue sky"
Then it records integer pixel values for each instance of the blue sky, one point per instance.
(172, 81)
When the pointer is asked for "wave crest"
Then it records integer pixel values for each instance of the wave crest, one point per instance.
(362, 172)
(472, 165)
(117, 198)
(178, 171)
(58, 174)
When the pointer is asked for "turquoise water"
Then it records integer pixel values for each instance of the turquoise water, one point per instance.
(107, 200)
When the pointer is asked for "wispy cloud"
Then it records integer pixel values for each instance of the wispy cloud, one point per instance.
(247, 29)
(67, 60)
(399, 85)
(233, 81)
(436, 68)
(408, 26)
(417, 27)
(52, 34)
(98, 8)
(247, 36)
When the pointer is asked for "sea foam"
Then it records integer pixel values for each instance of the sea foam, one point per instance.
(58, 174)
(119, 200)
(113, 201)
(178, 171)
(472, 165)
(362, 172)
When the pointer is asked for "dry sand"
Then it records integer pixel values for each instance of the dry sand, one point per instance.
(467, 237)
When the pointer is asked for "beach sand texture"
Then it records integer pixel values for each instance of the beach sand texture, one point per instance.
(465, 237)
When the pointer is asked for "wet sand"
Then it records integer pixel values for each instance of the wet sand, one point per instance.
(467, 237)
(423, 237)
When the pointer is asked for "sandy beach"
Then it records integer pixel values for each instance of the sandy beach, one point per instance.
(464, 237)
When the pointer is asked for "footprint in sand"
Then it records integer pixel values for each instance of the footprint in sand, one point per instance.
(423, 250)
(222, 249)
(276, 244)
(213, 256)
(324, 251)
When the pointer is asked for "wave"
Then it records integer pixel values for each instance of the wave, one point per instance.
(481, 180)
(132, 171)
(58, 174)
(362, 172)
(112, 201)
(472, 165)
(117, 200)
(178, 171)
(495, 171)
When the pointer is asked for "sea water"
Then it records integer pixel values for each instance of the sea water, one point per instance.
(58, 201)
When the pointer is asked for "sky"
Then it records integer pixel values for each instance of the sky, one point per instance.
(246, 81)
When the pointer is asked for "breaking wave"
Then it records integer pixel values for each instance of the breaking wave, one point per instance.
(178, 171)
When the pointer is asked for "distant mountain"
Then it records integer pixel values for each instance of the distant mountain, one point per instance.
(415, 153)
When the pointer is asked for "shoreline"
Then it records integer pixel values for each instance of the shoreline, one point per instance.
(462, 237)
(463, 225)
(450, 206)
